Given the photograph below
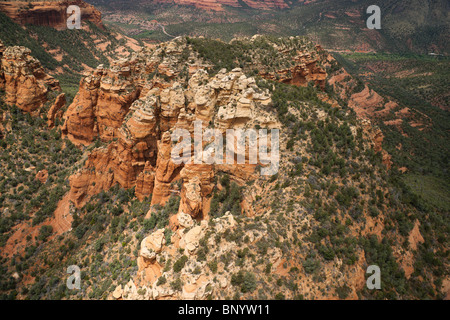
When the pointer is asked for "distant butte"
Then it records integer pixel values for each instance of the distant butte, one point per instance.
(48, 13)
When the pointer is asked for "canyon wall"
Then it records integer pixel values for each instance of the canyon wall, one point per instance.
(48, 13)
(23, 78)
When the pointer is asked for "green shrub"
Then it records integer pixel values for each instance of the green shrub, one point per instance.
(179, 264)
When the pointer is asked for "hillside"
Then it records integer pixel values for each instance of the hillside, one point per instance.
(407, 26)
(50, 13)
(416, 121)
(64, 53)
(141, 226)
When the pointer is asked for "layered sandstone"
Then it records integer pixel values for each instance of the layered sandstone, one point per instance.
(136, 115)
(155, 252)
(105, 96)
(368, 105)
(48, 13)
(101, 103)
(305, 70)
(42, 176)
(90, 180)
(55, 110)
(24, 79)
(220, 5)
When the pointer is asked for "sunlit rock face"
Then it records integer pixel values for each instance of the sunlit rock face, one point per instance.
(23, 78)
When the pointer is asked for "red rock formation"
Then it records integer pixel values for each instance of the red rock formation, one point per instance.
(79, 117)
(105, 96)
(304, 71)
(101, 104)
(191, 197)
(136, 118)
(127, 160)
(145, 182)
(42, 176)
(197, 185)
(166, 170)
(48, 13)
(55, 110)
(172, 101)
(24, 79)
(91, 180)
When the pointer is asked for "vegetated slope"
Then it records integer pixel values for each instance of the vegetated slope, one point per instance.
(212, 5)
(227, 232)
(417, 26)
(48, 13)
(416, 127)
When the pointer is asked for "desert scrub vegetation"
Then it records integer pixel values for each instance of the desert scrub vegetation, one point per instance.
(103, 241)
(252, 56)
(342, 182)
(228, 199)
(28, 148)
(417, 82)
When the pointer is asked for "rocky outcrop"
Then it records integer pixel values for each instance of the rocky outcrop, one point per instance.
(376, 136)
(55, 110)
(136, 117)
(101, 104)
(218, 5)
(166, 170)
(185, 241)
(90, 180)
(365, 102)
(48, 13)
(152, 245)
(2, 76)
(145, 182)
(24, 79)
(194, 189)
(42, 176)
(305, 70)
(106, 95)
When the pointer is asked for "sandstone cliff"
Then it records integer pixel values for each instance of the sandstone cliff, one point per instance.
(135, 116)
(304, 70)
(133, 107)
(48, 13)
(24, 80)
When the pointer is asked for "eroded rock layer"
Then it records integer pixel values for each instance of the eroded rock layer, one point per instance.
(23, 78)
(136, 115)
(301, 73)
(48, 13)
